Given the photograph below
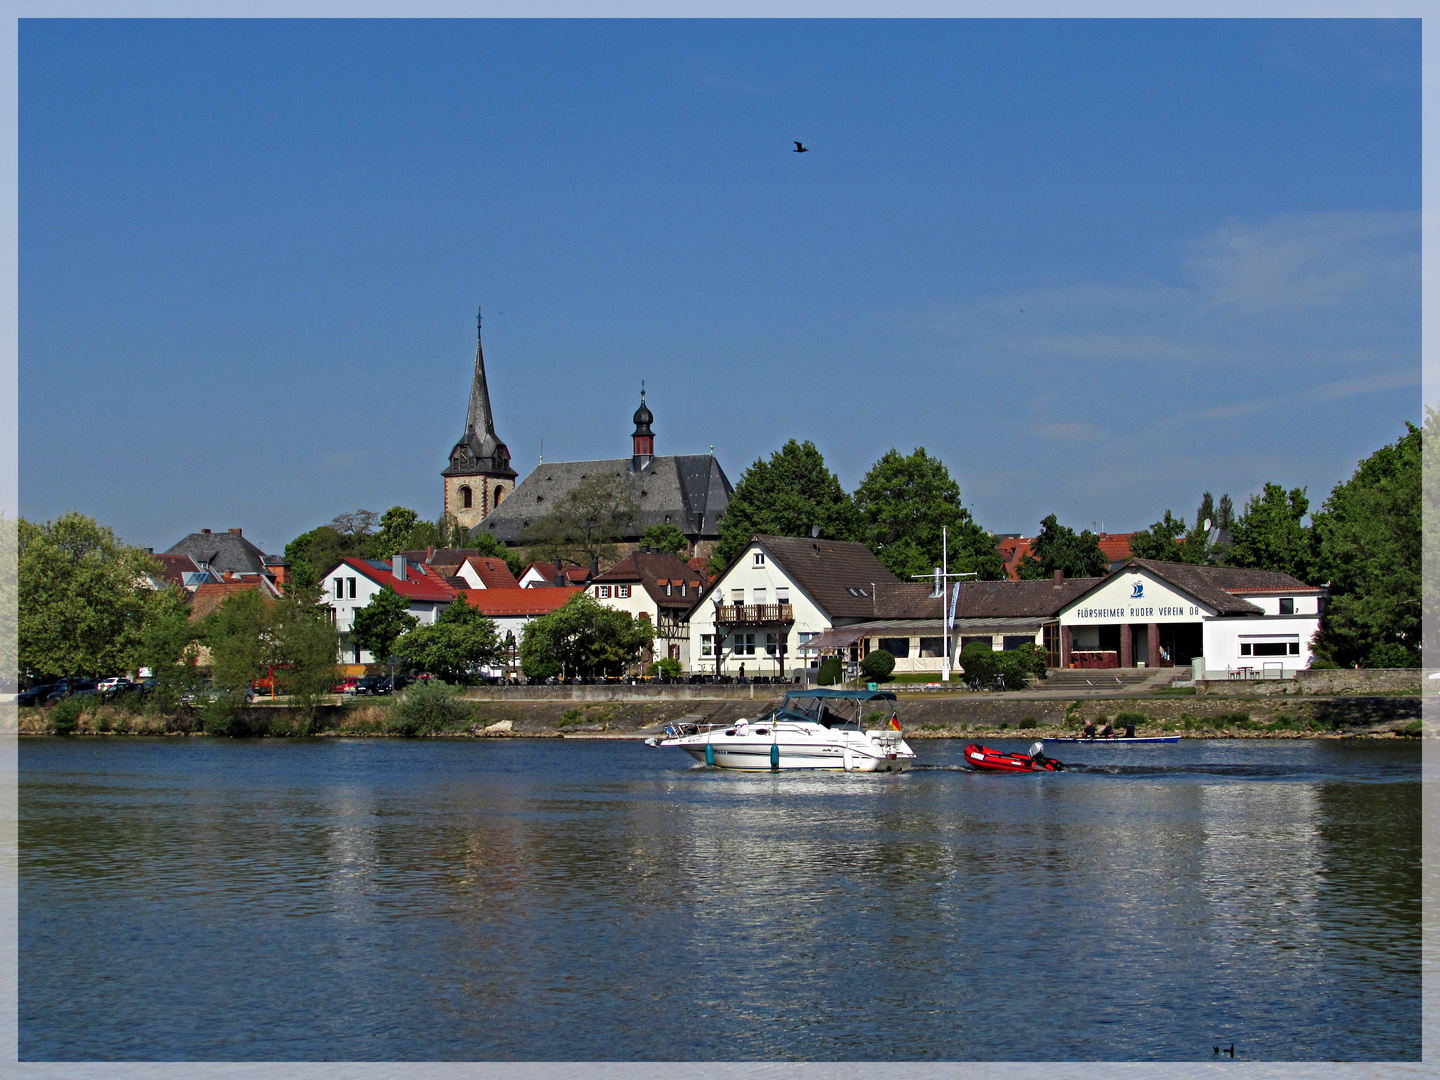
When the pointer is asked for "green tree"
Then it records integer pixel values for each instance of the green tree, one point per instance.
(1270, 534)
(380, 623)
(1168, 540)
(1060, 548)
(1368, 545)
(169, 646)
(239, 635)
(586, 522)
(666, 538)
(786, 496)
(83, 597)
(904, 504)
(304, 645)
(460, 637)
(583, 637)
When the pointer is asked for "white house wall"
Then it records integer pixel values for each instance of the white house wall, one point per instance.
(343, 609)
(809, 618)
(1224, 638)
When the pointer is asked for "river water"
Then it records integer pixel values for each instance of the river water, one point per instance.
(210, 899)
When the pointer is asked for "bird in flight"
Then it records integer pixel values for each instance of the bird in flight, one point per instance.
(800, 149)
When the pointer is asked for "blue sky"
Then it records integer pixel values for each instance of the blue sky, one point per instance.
(1098, 267)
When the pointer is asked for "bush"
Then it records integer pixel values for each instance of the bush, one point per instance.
(877, 666)
(831, 671)
(1391, 654)
(225, 717)
(980, 661)
(428, 706)
(66, 715)
(666, 667)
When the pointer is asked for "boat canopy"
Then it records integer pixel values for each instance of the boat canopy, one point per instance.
(850, 695)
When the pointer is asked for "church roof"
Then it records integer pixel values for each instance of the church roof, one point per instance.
(479, 449)
(689, 491)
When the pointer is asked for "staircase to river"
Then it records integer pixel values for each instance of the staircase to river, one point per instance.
(1111, 679)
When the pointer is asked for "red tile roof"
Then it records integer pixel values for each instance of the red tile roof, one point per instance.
(495, 602)
(212, 594)
(1115, 546)
(420, 583)
(173, 568)
(491, 569)
(653, 570)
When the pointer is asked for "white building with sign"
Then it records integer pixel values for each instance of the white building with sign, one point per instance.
(1245, 623)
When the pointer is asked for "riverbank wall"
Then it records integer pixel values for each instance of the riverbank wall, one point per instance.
(948, 717)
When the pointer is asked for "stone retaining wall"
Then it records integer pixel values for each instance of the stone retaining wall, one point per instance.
(1334, 681)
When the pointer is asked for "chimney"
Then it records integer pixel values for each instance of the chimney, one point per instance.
(149, 551)
(235, 531)
(1059, 578)
(559, 577)
(938, 589)
(205, 531)
(594, 567)
(429, 552)
(399, 565)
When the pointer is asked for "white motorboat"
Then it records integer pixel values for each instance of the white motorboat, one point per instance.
(813, 729)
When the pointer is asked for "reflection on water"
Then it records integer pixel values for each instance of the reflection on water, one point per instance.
(546, 900)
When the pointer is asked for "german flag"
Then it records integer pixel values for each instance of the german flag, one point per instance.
(895, 721)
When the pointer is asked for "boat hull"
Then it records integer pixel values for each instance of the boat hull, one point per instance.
(987, 760)
(757, 758)
(1121, 739)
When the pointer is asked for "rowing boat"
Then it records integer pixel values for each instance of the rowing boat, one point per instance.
(1121, 739)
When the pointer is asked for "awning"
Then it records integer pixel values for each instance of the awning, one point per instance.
(838, 638)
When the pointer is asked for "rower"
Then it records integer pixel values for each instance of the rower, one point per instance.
(1130, 730)
(1089, 732)
(1107, 732)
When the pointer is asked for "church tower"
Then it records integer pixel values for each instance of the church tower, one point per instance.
(479, 476)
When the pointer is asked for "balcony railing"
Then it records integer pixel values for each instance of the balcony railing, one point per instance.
(754, 614)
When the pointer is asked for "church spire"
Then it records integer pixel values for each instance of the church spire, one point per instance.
(478, 421)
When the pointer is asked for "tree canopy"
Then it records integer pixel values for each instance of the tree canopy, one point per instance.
(904, 504)
(459, 638)
(666, 538)
(380, 623)
(1368, 545)
(583, 637)
(83, 597)
(786, 496)
(1058, 547)
(1270, 534)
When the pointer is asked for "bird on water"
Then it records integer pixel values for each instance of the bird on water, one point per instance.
(799, 149)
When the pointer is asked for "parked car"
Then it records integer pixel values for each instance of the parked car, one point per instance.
(372, 684)
(346, 685)
(118, 684)
(392, 683)
(35, 695)
(70, 688)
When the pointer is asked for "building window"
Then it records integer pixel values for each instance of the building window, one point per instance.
(622, 592)
(466, 497)
(931, 647)
(352, 588)
(759, 558)
(682, 588)
(782, 594)
(744, 645)
(339, 588)
(499, 494)
(760, 596)
(707, 644)
(738, 596)
(1270, 648)
(898, 647)
(772, 645)
(1287, 605)
(602, 591)
(667, 588)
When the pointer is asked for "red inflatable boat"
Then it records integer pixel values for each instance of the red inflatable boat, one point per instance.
(982, 757)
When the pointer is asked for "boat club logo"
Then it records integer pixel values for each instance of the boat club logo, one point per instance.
(1137, 591)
